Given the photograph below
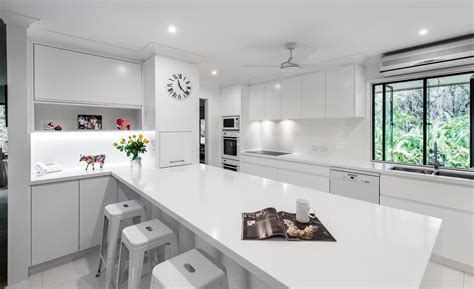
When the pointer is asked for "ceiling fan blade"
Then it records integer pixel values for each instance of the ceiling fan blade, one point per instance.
(302, 52)
(263, 65)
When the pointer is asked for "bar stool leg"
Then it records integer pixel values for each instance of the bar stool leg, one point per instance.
(111, 250)
(135, 268)
(172, 248)
(105, 230)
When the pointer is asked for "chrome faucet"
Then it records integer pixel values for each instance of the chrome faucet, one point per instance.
(436, 163)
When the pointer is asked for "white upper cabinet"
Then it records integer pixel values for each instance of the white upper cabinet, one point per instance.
(336, 93)
(66, 76)
(273, 100)
(313, 95)
(175, 148)
(257, 102)
(291, 98)
(345, 92)
(230, 100)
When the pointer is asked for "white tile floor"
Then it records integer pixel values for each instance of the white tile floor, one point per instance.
(73, 275)
(80, 274)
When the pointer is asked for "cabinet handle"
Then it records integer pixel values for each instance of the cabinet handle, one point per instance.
(178, 161)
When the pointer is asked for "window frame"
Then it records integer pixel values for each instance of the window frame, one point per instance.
(424, 79)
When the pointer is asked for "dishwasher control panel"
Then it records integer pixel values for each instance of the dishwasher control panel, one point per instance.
(356, 185)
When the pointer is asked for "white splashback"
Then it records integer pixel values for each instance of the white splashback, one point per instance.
(336, 138)
(66, 147)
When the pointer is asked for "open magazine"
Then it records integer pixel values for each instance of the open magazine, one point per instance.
(269, 223)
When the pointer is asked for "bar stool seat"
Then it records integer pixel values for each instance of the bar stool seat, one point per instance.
(115, 215)
(191, 270)
(136, 241)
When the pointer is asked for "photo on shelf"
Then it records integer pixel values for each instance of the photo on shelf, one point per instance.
(89, 121)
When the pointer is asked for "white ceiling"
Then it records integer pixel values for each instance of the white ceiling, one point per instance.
(226, 35)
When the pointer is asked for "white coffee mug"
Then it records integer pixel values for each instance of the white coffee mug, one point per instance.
(303, 211)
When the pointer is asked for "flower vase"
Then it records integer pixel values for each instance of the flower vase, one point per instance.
(136, 163)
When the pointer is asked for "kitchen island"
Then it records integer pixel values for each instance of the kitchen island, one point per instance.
(377, 246)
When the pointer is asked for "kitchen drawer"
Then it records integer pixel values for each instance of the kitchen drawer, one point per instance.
(315, 182)
(259, 161)
(259, 170)
(304, 168)
(430, 192)
(456, 237)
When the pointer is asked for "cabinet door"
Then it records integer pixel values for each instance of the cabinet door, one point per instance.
(259, 171)
(273, 100)
(175, 148)
(94, 195)
(66, 76)
(54, 221)
(257, 102)
(230, 100)
(291, 98)
(340, 92)
(313, 95)
(315, 182)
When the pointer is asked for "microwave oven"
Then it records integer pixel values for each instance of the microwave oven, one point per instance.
(231, 122)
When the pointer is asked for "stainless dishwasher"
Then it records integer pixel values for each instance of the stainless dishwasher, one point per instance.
(356, 185)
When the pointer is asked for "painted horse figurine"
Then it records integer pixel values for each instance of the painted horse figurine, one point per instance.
(90, 159)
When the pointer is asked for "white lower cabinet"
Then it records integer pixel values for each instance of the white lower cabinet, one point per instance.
(94, 195)
(438, 276)
(304, 175)
(55, 219)
(259, 170)
(468, 281)
(315, 182)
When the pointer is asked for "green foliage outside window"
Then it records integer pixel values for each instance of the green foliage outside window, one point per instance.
(447, 121)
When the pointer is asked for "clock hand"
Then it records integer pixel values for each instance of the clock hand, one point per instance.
(179, 84)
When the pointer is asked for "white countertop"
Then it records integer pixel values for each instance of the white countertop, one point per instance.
(358, 165)
(377, 246)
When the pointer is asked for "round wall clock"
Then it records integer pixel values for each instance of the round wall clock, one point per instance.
(179, 87)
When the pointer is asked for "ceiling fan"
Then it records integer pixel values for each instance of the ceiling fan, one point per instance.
(304, 52)
(290, 64)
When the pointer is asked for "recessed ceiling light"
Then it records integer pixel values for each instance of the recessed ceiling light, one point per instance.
(277, 86)
(172, 29)
(423, 32)
(214, 72)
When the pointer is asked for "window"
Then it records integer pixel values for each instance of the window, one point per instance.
(409, 117)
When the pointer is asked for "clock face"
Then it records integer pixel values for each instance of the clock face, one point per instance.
(179, 87)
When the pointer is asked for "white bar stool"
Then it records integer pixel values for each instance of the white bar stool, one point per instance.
(138, 239)
(114, 214)
(189, 270)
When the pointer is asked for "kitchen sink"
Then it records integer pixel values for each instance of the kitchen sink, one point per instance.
(461, 175)
(441, 173)
(425, 171)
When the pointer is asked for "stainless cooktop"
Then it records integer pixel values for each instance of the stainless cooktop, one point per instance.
(268, 153)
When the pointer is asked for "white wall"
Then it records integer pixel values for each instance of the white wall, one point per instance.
(19, 111)
(66, 147)
(211, 92)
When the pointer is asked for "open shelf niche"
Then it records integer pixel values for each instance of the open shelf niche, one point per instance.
(66, 115)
